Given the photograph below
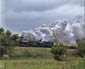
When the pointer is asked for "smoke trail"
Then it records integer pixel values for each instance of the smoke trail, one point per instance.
(61, 30)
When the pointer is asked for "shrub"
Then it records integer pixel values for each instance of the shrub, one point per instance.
(7, 42)
(81, 48)
(59, 51)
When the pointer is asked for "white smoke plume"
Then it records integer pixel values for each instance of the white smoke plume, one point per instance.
(63, 31)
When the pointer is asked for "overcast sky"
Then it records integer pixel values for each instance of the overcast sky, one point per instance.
(20, 15)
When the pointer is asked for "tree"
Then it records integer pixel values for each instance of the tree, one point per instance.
(8, 33)
(7, 42)
(1, 30)
(15, 37)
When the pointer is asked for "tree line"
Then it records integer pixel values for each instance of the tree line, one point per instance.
(8, 41)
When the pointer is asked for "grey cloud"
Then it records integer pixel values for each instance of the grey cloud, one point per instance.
(20, 15)
(38, 5)
(65, 10)
(31, 5)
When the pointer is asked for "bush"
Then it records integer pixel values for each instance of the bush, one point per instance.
(81, 48)
(59, 51)
(7, 42)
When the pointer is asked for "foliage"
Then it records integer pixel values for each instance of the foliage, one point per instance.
(7, 41)
(1, 30)
(8, 33)
(59, 51)
(15, 37)
(81, 48)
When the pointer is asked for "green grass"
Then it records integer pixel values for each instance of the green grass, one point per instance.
(27, 52)
(70, 63)
(41, 58)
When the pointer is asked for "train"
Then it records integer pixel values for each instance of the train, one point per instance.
(40, 43)
(46, 44)
(43, 44)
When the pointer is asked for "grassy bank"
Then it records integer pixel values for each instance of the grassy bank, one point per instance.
(31, 52)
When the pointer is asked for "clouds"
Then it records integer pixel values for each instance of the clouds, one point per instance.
(71, 10)
(31, 13)
(31, 5)
(65, 10)
(38, 5)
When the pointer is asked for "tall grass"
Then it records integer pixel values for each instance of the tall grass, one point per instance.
(71, 63)
(30, 52)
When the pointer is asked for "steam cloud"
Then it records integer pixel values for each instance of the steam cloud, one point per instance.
(63, 31)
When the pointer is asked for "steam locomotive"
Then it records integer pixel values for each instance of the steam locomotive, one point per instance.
(40, 43)
(46, 44)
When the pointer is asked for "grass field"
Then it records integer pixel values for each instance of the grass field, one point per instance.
(27, 52)
(70, 63)
(41, 58)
